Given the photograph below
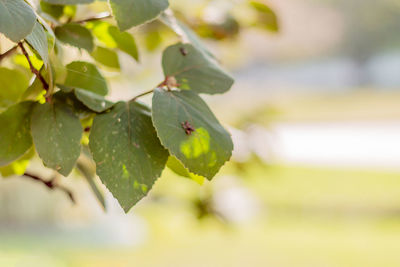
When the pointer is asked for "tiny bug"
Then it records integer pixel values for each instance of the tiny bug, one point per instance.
(183, 51)
(189, 129)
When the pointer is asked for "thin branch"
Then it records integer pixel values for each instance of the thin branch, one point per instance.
(101, 16)
(52, 185)
(169, 82)
(143, 94)
(8, 53)
(33, 69)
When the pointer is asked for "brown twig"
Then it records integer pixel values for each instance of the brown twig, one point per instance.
(104, 15)
(143, 94)
(52, 185)
(8, 53)
(33, 69)
(169, 82)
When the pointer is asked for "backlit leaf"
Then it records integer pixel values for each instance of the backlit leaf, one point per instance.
(107, 57)
(112, 37)
(190, 131)
(177, 167)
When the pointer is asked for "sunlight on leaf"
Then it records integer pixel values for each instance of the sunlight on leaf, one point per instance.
(198, 144)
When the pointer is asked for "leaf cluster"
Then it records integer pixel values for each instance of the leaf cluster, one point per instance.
(63, 114)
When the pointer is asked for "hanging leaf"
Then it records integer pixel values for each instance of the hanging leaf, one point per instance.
(86, 76)
(15, 137)
(17, 19)
(107, 57)
(195, 71)
(190, 131)
(38, 40)
(111, 37)
(127, 152)
(177, 167)
(75, 35)
(130, 13)
(57, 133)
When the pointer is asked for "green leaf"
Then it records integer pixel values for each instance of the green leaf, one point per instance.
(127, 152)
(111, 37)
(17, 19)
(107, 57)
(75, 35)
(57, 133)
(267, 17)
(177, 167)
(19, 166)
(195, 71)
(130, 13)
(56, 11)
(93, 101)
(206, 147)
(86, 76)
(15, 136)
(38, 40)
(184, 32)
(125, 42)
(68, 2)
(13, 84)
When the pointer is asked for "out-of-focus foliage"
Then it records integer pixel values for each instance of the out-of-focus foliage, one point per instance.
(371, 26)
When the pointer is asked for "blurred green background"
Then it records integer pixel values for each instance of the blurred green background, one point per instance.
(315, 176)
